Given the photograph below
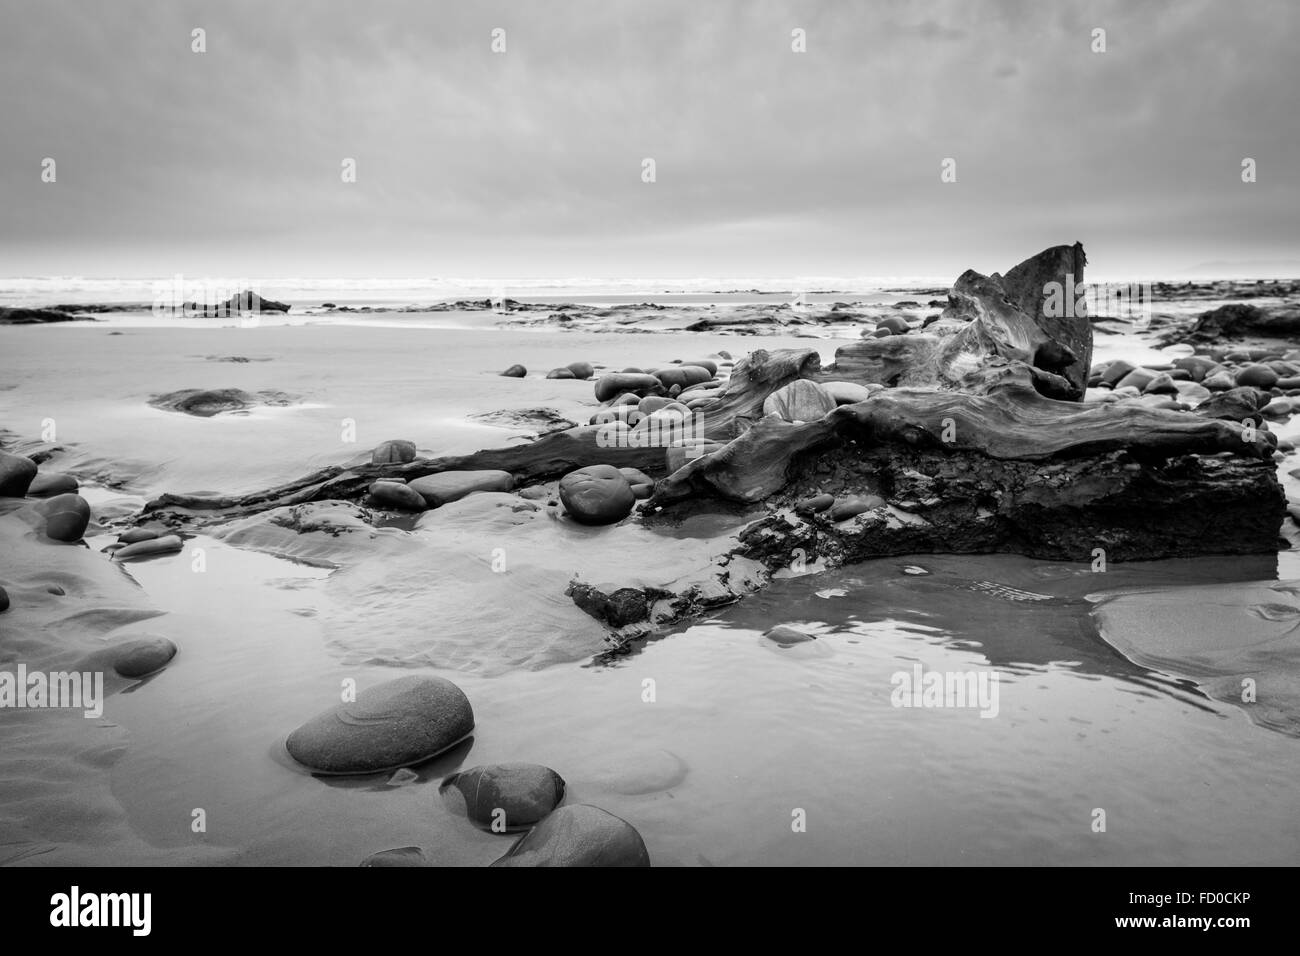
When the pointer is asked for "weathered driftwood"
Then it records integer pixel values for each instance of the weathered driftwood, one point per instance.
(552, 456)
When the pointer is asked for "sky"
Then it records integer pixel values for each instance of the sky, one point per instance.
(530, 161)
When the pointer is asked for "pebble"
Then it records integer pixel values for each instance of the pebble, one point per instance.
(506, 796)
(142, 657)
(579, 835)
(394, 724)
(596, 495)
(616, 383)
(854, 505)
(66, 517)
(16, 475)
(800, 401)
(1257, 376)
(393, 452)
(167, 544)
(814, 504)
(394, 494)
(582, 370)
(560, 373)
(448, 486)
(46, 486)
(515, 371)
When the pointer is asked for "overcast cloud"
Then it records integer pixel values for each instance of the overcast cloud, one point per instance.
(528, 162)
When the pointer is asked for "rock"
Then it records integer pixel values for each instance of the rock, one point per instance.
(854, 505)
(1197, 366)
(787, 636)
(4, 600)
(579, 835)
(708, 364)
(800, 401)
(66, 517)
(682, 376)
(1234, 405)
(1116, 371)
(894, 325)
(642, 485)
(533, 493)
(1192, 393)
(560, 373)
(1288, 383)
(394, 724)
(142, 657)
(582, 370)
(1139, 378)
(16, 475)
(1257, 376)
(394, 494)
(246, 301)
(453, 485)
(393, 452)
(618, 609)
(849, 393)
(1219, 381)
(628, 398)
(1162, 384)
(514, 371)
(597, 494)
(135, 535)
(401, 856)
(814, 504)
(204, 403)
(167, 544)
(47, 486)
(616, 383)
(652, 403)
(509, 796)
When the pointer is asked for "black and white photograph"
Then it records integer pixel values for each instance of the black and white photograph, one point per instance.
(666, 434)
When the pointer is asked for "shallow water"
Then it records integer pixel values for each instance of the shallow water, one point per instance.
(741, 732)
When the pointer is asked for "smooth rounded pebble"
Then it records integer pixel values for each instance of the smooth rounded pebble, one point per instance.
(854, 505)
(1257, 376)
(597, 494)
(167, 544)
(453, 485)
(394, 724)
(560, 373)
(393, 452)
(582, 370)
(785, 635)
(506, 796)
(616, 383)
(800, 401)
(394, 494)
(142, 657)
(46, 486)
(16, 475)
(515, 371)
(66, 517)
(814, 504)
(136, 535)
(4, 600)
(579, 835)
(682, 376)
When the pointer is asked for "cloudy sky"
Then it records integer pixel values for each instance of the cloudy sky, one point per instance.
(529, 162)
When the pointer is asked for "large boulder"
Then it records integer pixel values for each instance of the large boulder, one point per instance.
(597, 494)
(579, 835)
(16, 475)
(393, 724)
(506, 796)
(453, 485)
(800, 401)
